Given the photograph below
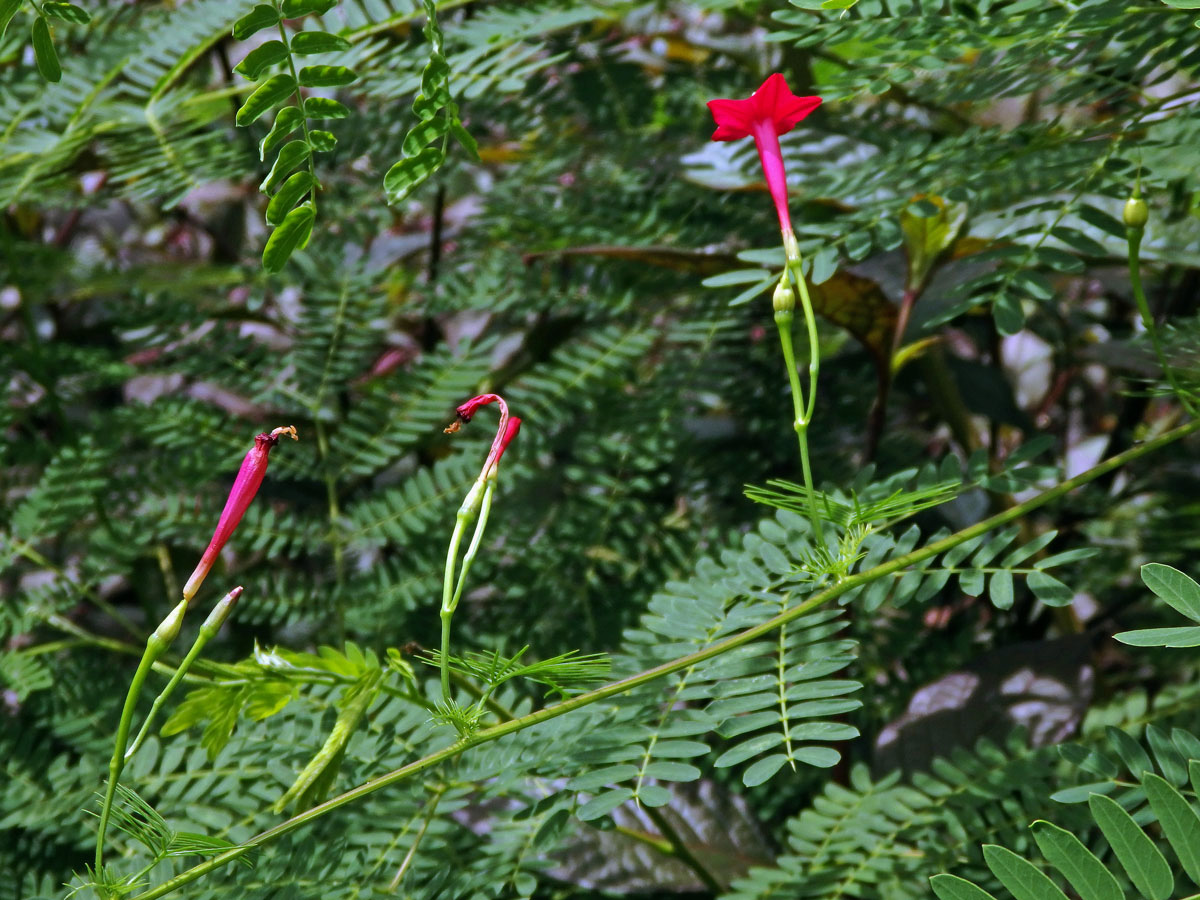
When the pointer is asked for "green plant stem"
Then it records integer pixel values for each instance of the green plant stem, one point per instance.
(154, 648)
(1133, 237)
(802, 412)
(291, 61)
(335, 516)
(473, 548)
(447, 610)
(617, 688)
(208, 630)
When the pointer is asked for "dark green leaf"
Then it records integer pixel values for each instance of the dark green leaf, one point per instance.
(322, 140)
(1049, 589)
(309, 42)
(288, 196)
(68, 12)
(44, 53)
(8, 9)
(289, 237)
(408, 174)
(325, 108)
(763, 769)
(326, 76)
(1179, 591)
(287, 120)
(293, 154)
(294, 9)
(1183, 636)
(260, 58)
(1178, 820)
(262, 16)
(1024, 880)
(951, 887)
(1140, 859)
(1079, 866)
(266, 96)
(603, 804)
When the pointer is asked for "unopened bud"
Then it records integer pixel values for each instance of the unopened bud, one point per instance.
(221, 611)
(1136, 212)
(784, 298)
(167, 630)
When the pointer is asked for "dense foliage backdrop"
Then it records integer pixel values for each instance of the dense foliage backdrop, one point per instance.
(556, 226)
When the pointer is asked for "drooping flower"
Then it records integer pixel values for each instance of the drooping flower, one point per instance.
(245, 486)
(500, 445)
(770, 111)
(506, 429)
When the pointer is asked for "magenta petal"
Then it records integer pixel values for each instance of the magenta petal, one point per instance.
(733, 118)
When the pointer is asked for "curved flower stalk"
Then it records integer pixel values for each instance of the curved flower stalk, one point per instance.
(770, 111)
(476, 506)
(245, 486)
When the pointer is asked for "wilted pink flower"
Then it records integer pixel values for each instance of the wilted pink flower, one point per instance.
(245, 486)
(770, 111)
(506, 429)
(501, 443)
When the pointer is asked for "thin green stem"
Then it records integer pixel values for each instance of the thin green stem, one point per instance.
(617, 688)
(1133, 237)
(335, 516)
(447, 611)
(291, 61)
(117, 763)
(208, 629)
(473, 548)
(802, 412)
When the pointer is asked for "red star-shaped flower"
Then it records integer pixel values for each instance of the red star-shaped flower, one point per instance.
(770, 111)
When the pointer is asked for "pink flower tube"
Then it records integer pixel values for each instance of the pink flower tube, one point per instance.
(770, 111)
(245, 486)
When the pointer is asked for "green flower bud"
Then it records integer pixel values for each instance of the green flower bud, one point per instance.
(1136, 213)
(784, 298)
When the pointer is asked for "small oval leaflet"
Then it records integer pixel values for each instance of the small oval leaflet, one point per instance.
(261, 57)
(287, 120)
(265, 96)
(325, 108)
(308, 42)
(262, 16)
(289, 237)
(68, 12)
(326, 76)
(287, 196)
(292, 155)
(44, 53)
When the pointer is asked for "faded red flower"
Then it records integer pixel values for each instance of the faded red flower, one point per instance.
(245, 486)
(770, 111)
(506, 428)
(501, 443)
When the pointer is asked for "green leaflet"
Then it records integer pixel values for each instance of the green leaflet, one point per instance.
(1079, 866)
(44, 53)
(1140, 859)
(288, 195)
(1023, 879)
(266, 96)
(8, 9)
(291, 235)
(261, 58)
(262, 16)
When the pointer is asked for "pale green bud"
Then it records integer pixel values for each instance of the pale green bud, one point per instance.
(784, 298)
(1136, 212)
